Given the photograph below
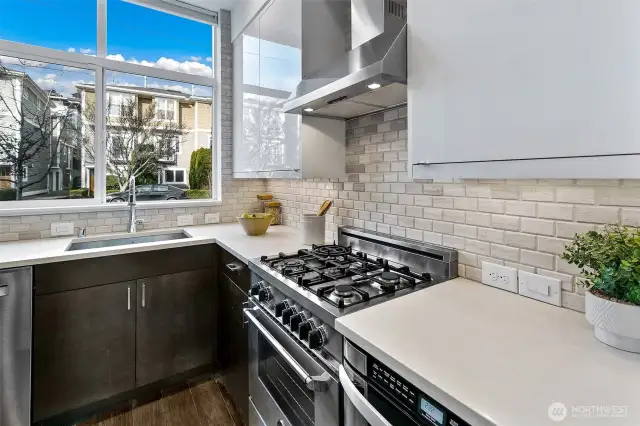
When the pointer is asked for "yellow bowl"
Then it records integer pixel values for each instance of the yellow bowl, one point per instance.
(256, 226)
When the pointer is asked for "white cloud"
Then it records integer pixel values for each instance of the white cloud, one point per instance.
(117, 57)
(86, 51)
(189, 67)
(71, 49)
(47, 82)
(209, 59)
(196, 58)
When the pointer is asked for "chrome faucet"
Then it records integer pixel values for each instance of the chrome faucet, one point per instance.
(133, 222)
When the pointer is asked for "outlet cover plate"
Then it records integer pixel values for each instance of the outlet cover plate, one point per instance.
(499, 276)
(212, 218)
(185, 220)
(540, 288)
(60, 229)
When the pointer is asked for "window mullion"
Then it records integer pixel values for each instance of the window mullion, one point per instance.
(216, 116)
(100, 167)
(101, 26)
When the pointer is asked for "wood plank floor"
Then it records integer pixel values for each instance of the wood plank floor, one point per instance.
(203, 404)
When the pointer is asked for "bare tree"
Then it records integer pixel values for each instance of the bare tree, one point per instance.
(137, 141)
(31, 129)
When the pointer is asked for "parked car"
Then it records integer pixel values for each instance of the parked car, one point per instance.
(149, 193)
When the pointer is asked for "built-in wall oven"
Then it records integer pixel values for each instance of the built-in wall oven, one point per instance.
(375, 395)
(288, 384)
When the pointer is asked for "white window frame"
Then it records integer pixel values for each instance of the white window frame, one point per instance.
(99, 64)
(173, 169)
(121, 96)
(162, 104)
(25, 174)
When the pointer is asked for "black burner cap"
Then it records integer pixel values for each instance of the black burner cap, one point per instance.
(388, 276)
(343, 290)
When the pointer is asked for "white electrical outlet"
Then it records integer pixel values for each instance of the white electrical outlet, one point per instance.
(60, 229)
(541, 288)
(185, 220)
(212, 218)
(500, 276)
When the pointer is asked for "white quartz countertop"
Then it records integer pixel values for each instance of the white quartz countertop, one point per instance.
(497, 358)
(229, 235)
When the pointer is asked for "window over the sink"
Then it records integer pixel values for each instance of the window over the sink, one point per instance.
(131, 91)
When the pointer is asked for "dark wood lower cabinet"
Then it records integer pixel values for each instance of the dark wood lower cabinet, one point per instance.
(176, 324)
(98, 345)
(83, 347)
(233, 338)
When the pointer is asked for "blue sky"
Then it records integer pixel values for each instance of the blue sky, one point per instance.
(133, 31)
(134, 34)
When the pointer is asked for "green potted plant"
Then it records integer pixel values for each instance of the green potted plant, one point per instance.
(610, 264)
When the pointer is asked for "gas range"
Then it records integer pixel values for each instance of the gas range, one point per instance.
(308, 290)
(344, 277)
(295, 299)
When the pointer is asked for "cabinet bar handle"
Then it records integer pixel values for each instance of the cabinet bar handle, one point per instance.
(128, 298)
(144, 288)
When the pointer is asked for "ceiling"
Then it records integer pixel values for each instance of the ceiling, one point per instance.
(214, 5)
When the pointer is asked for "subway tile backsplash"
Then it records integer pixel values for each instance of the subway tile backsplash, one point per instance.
(523, 224)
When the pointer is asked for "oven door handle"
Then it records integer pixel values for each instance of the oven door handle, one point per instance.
(315, 383)
(364, 407)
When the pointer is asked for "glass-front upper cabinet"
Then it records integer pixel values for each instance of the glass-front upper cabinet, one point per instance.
(246, 102)
(280, 73)
(267, 70)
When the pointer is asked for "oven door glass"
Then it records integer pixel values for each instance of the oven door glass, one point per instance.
(292, 396)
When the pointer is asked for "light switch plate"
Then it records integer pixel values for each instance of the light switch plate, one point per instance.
(500, 276)
(540, 288)
(60, 229)
(185, 220)
(212, 218)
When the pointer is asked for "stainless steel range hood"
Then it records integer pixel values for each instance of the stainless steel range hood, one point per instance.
(340, 89)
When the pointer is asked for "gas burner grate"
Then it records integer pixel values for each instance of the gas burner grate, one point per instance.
(330, 250)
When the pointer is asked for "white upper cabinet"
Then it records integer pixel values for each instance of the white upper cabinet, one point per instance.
(267, 68)
(524, 89)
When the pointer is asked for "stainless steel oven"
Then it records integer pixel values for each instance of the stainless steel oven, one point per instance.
(288, 384)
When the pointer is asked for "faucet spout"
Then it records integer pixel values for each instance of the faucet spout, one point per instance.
(133, 222)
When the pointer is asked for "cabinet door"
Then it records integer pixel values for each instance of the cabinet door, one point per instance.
(83, 347)
(491, 90)
(246, 110)
(233, 343)
(280, 74)
(175, 329)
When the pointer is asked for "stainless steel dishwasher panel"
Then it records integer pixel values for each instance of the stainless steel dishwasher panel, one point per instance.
(16, 297)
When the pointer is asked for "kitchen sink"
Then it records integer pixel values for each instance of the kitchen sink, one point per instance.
(119, 240)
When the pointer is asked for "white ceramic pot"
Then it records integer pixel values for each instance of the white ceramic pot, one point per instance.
(616, 324)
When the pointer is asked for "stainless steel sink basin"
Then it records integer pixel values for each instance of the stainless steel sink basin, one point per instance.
(119, 240)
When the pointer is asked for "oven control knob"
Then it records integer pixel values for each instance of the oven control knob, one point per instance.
(304, 329)
(255, 288)
(317, 338)
(287, 314)
(265, 294)
(280, 307)
(296, 320)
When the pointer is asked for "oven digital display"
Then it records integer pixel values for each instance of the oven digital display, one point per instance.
(430, 412)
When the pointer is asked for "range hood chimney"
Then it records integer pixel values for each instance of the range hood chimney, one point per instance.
(371, 76)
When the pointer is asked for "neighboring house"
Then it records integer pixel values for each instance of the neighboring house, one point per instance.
(190, 111)
(21, 99)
